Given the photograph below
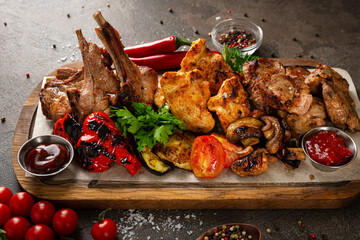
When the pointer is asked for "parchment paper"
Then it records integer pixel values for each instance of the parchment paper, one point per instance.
(277, 173)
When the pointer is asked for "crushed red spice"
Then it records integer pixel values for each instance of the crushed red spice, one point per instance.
(237, 39)
(28, 75)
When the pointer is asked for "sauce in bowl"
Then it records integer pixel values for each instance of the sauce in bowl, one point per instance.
(327, 148)
(47, 158)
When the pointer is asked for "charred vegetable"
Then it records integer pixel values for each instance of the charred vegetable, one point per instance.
(68, 128)
(273, 132)
(149, 159)
(253, 164)
(102, 143)
(246, 130)
(177, 150)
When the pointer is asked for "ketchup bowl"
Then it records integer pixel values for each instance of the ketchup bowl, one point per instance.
(45, 155)
(344, 139)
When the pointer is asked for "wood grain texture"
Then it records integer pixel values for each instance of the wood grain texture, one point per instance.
(269, 196)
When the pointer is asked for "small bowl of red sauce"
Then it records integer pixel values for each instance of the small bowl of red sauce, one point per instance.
(329, 148)
(45, 156)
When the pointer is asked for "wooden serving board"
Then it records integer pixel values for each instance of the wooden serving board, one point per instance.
(182, 196)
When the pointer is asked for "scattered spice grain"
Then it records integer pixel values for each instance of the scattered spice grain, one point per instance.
(268, 230)
(5, 24)
(28, 75)
(68, 15)
(3, 119)
(262, 19)
(161, 22)
(170, 10)
(229, 11)
(196, 32)
(108, 5)
(312, 236)
(54, 46)
(245, 15)
(299, 55)
(294, 39)
(316, 35)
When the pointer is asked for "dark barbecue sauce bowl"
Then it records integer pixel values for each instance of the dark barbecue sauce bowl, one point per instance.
(52, 147)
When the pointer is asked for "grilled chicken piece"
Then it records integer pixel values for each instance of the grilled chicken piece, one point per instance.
(339, 109)
(54, 101)
(300, 124)
(177, 149)
(187, 94)
(231, 102)
(212, 65)
(128, 72)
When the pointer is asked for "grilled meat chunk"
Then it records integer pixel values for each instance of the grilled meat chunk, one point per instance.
(100, 87)
(212, 65)
(339, 109)
(271, 88)
(231, 102)
(128, 72)
(300, 124)
(187, 94)
(53, 98)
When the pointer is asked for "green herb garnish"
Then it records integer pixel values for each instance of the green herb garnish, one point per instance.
(147, 126)
(234, 59)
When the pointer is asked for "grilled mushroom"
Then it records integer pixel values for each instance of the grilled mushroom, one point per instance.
(253, 164)
(291, 157)
(273, 132)
(246, 130)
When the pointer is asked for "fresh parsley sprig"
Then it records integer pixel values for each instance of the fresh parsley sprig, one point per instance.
(147, 126)
(234, 59)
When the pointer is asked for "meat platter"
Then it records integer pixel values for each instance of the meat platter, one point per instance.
(226, 191)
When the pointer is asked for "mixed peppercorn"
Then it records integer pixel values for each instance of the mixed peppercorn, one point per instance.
(237, 39)
(228, 232)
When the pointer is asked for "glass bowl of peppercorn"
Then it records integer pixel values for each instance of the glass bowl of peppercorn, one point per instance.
(239, 33)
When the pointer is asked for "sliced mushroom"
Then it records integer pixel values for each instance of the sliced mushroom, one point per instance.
(253, 164)
(273, 132)
(246, 130)
(291, 157)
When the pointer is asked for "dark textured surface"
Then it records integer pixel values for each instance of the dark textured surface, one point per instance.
(326, 30)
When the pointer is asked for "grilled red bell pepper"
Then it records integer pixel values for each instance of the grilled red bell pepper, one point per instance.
(68, 128)
(166, 45)
(161, 62)
(102, 143)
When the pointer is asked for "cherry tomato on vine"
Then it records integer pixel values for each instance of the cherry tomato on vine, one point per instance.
(5, 195)
(5, 213)
(39, 232)
(42, 212)
(20, 204)
(16, 228)
(104, 228)
(207, 157)
(65, 221)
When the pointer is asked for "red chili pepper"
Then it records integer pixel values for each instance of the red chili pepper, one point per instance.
(166, 45)
(161, 62)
